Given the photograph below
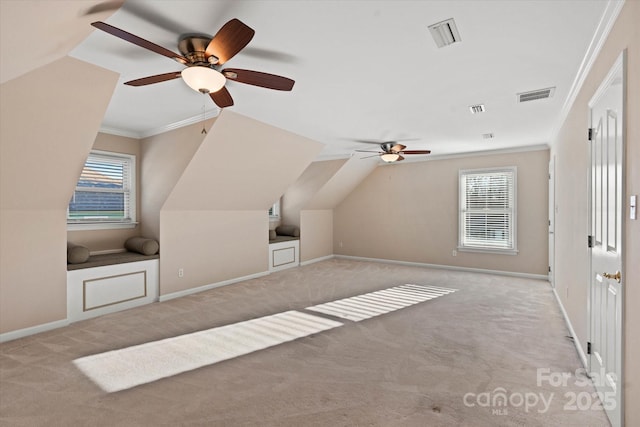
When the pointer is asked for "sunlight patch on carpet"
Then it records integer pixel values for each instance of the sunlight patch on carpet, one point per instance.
(129, 367)
(380, 302)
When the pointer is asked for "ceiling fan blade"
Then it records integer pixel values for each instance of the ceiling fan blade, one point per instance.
(416, 151)
(154, 79)
(139, 41)
(400, 158)
(222, 98)
(369, 151)
(368, 157)
(398, 147)
(229, 40)
(257, 78)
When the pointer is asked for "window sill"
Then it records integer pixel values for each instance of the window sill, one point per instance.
(488, 250)
(100, 226)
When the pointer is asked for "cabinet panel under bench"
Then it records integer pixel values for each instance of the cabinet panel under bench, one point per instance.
(96, 291)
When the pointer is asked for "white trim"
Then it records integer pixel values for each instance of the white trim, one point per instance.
(432, 157)
(21, 333)
(186, 292)
(119, 132)
(448, 267)
(576, 340)
(314, 260)
(609, 16)
(132, 163)
(513, 229)
(100, 225)
(161, 129)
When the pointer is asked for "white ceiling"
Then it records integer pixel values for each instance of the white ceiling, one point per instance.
(363, 69)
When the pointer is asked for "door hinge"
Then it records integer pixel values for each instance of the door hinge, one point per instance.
(592, 132)
(549, 269)
(589, 347)
(590, 241)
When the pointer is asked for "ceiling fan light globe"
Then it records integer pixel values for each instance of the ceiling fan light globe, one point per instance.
(390, 157)
(203, 79)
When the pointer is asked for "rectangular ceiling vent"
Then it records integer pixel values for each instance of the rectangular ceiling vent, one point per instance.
(487, 136)
(536, 94)
(445, 33)
(475, 109)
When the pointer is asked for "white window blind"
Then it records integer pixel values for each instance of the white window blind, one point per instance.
(488, 209)
(274, 211)
(105, 190)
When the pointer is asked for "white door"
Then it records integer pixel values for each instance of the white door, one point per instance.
(552, 219)
(606, 291)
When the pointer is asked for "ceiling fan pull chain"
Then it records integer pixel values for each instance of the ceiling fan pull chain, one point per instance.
(204, 131)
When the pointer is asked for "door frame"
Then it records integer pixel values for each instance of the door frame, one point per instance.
(620, 64)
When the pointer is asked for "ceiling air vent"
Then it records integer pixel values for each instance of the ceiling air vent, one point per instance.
(487, 136)
(445, 33)
(536, 94)
(475, 109)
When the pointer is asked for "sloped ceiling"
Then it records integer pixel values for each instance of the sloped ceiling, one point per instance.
(364, 69)
(42, 154)
(342, 183)
(34, 33)
(220, 178)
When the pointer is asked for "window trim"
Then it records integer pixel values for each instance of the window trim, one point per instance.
(514, 222)
(275, 208)
(106, 225)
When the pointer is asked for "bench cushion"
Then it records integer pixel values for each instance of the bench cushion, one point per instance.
(141, 245)
(76, 254)
(111, 259)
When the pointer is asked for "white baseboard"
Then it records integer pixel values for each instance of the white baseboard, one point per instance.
(449, 267)
(21, 333)
(314, 260)
(186, 292)
(576, 340)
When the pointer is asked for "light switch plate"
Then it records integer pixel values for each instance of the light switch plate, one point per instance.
(633, 207)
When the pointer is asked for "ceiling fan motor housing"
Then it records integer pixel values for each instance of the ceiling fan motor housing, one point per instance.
(194, 46)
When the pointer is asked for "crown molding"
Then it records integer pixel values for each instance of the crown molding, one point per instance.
(161, 129)
(608, 19)
(512, 150)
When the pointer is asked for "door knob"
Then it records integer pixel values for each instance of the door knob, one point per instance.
(616, 276)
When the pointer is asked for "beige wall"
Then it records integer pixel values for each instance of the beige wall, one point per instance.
(214, 223)
(408, 212)
(316, 236)
(164, 159)
(570, 150)
(211, 247)
(303, 190)
(50, 118)
(111, 239)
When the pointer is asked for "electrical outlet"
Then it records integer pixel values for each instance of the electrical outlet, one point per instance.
(454, 253)
(181, 272)
(340, 244)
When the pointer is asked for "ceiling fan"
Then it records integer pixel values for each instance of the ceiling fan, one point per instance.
(203, 57)
(392, 151)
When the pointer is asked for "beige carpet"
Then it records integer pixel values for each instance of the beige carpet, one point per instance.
(480, 356)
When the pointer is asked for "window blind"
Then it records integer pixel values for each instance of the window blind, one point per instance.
(103, 192)
(487, 209)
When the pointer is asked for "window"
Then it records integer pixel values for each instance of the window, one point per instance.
(105, 193)
(274, 211)
(487, 210)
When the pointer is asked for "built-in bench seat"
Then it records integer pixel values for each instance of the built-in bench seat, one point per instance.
(284, 247)
(106, 283)
(279, 239)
